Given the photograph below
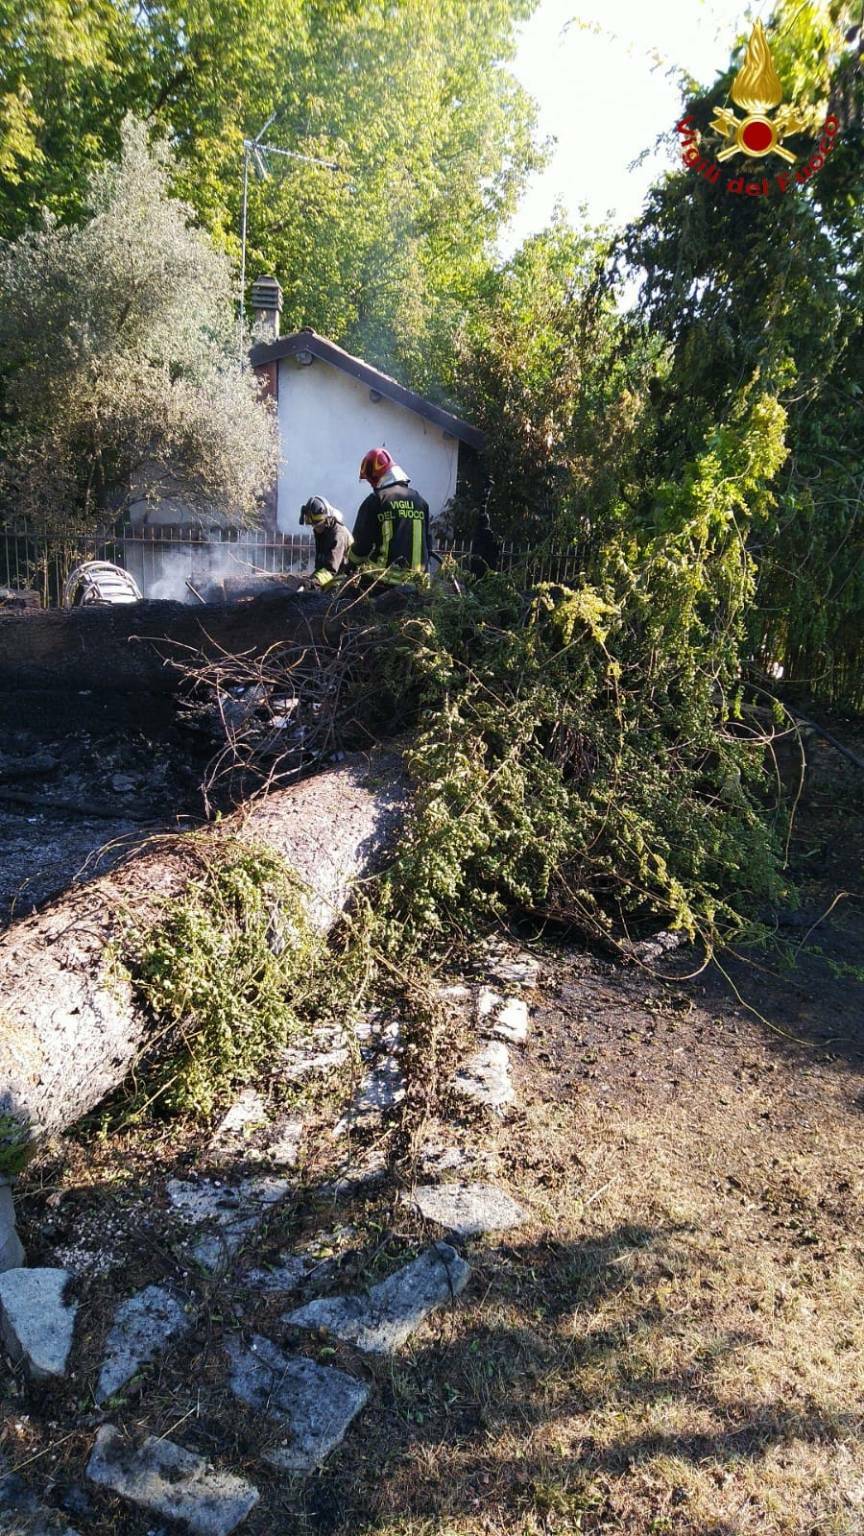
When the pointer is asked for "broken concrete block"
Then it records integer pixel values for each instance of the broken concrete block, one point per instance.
(488, 1002)
(248, 1113)
(164, 1478)
(246, 1133)
(312, 1404)
(232, 1212)
(504, 964)
(436, 1159)
(35, 1322)
(356, 1177)
(382, 1319)
(381, 1090)
(11, 1248)
(509, 1021)
(143, 1326)
(21, 1513)
(485, 1078)
(325, 1049)
(286, 1275)
(455, 992)
(467, 1209)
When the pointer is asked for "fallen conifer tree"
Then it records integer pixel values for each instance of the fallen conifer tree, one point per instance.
(71, 1020)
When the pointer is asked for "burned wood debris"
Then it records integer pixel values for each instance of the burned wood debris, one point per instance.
(271, 717)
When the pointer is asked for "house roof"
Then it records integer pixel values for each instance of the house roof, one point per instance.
(328, 352)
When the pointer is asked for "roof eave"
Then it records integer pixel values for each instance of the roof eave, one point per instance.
(328, 352)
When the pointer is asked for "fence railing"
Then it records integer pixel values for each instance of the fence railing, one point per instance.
(169, 560)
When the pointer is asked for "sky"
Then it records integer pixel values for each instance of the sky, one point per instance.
(604, 98)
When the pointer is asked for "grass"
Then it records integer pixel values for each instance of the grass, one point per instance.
(673, 1343)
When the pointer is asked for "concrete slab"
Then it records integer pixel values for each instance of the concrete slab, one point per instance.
(247, 1134)
(36, 1323)
(467, 1209)
(284, 1276)
(381, 1320)
(162, 1477)
(21, 1513)
(143, 1327)
(11, 1248)
(312, 1404)
(485, 1078)
(380, 1091)
(231, 1213)
(509, 1021)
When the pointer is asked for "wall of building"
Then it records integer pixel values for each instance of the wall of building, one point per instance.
(327, 421)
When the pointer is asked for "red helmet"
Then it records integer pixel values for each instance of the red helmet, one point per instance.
(375, 464)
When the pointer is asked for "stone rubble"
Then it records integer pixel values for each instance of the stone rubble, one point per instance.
(466, 1209)
(485, 1078)
(380, 1321)
(437, 1159)
(309, 1406)
(312, 1404)
(357, 1178)
(284, 1276)
(36, 1323)
(503, 1018)
(143, 1326)
(326, 1049)
(456, 993)
(380, 1090)
(11, 1249)
(247, 1134)
(503, 964)
(164, 1478)
(233, 1211)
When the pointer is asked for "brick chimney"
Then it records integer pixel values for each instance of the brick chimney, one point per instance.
(267, 301)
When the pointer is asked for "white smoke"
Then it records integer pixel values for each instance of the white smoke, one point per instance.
(178, 574)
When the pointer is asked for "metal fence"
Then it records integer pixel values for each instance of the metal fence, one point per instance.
(164, 560)
(168, 561)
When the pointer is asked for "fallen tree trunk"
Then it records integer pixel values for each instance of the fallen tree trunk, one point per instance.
(69, 1025)
(131, 647)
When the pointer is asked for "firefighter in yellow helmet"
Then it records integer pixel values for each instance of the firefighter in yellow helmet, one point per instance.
(332, 540)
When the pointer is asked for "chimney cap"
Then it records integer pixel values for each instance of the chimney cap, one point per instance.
(266, 294)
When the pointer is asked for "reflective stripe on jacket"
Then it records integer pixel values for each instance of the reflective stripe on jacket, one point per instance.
(392, 529)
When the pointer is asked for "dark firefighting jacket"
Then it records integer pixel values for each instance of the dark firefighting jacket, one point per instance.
(332, 543)
(391, 530)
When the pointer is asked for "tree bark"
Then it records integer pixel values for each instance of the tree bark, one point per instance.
(69, 1025)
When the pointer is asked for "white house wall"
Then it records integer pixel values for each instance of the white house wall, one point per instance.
(327, 421)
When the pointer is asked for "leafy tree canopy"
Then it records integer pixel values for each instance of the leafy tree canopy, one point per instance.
(412, 100)
(118, 354)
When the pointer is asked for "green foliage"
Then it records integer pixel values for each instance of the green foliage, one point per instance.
(558, 381)
(16, 1146)
(733, 286)
(434, 135)
(577, 753)
(118, 354)
(224, 973)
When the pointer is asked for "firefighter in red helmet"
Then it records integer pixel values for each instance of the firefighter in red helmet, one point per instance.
(391, 532)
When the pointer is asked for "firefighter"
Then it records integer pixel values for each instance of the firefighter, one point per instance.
(332, 540)
(391, 530)
(485, 547)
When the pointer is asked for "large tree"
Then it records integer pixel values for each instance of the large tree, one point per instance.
(413, 101)
(738, 287)
(118, 359)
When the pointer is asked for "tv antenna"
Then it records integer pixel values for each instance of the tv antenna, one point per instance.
(255, 152)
